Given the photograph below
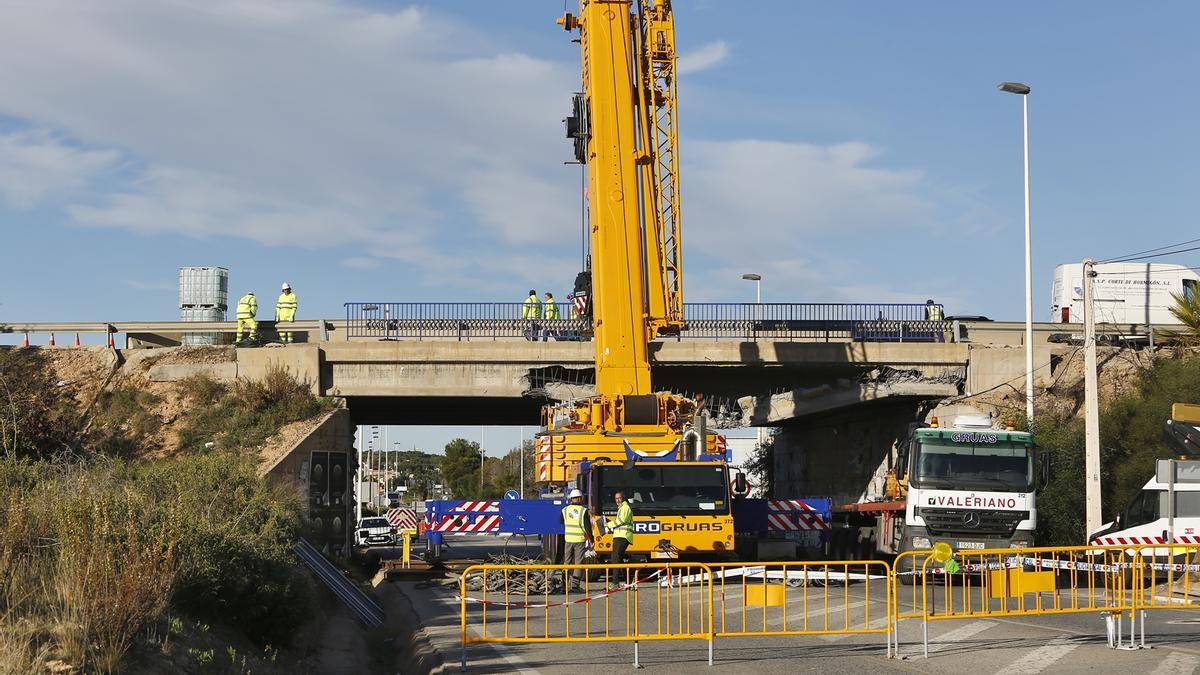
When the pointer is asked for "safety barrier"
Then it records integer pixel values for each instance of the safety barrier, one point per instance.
(693, 601)
(864, 322)
(1164, 578)
(612, 603)
(803, 598)
(942, 585)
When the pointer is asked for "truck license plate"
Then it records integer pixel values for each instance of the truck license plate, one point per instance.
(976, 545)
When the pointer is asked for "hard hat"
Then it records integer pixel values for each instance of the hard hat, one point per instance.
(285, 287)
(929, 301)
(575, 494)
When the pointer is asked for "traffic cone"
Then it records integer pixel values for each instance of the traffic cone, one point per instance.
(111, 344)
(77, 339)
(52, 339)
(26, 343)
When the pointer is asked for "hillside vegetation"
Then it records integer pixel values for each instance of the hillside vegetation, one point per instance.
(107, 557)
(1131, 440)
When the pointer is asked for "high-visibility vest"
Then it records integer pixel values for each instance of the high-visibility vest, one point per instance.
(933, 313)
(549, 310)
(247, 306)
(623, 525)
(285, 306)
(532, 309)
(573, 515)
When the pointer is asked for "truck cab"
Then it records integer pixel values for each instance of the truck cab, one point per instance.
(970, 485)
(680, 508)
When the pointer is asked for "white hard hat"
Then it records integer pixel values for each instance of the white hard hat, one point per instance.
(575, 494)
(285, 287)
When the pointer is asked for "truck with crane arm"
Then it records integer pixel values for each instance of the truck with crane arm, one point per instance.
(651, 445)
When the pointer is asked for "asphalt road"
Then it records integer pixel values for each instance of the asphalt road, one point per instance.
(1061, 644)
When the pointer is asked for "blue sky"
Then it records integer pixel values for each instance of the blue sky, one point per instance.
(385, 151)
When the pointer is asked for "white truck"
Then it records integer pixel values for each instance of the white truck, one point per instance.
(1125, 293)
(971, 485)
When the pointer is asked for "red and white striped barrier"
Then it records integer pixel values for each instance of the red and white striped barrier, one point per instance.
(471, 516)
(543, 460)
(790, 515)
(1126, 541)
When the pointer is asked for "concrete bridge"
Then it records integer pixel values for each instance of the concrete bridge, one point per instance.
(754, 383)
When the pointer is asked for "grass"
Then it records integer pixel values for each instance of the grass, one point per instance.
(247, 413)
(94, 554)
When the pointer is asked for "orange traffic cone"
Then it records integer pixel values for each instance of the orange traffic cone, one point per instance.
(77, 339)
(111, 344)
(26, 343)
(52, 339)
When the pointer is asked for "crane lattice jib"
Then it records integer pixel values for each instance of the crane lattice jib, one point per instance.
(656, 67)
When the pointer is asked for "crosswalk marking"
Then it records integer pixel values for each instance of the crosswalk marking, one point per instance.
(947, 639)
(1177, 663)
(1039, 659)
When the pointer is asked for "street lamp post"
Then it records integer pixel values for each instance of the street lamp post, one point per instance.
(757, 279)
(1023, 90)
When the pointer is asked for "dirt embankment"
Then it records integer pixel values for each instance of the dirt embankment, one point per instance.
(112, 388)
(1060, 392)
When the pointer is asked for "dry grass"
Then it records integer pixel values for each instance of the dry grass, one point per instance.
(93, 555)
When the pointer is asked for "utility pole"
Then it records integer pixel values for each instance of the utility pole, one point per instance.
(358, 448)
(521, 461)
(1091, 405)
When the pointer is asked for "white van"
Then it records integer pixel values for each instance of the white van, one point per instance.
(1144, 520)
(1126, 293)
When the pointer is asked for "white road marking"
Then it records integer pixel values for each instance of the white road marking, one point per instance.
(873, 625)
(1177, 663)
(947, 639)
(1039, 659)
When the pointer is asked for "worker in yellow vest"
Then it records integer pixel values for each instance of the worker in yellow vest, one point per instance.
(285, 310)
(933, 312)
(247, 308)
(549, 313)
(622, 528)
(577, 534)
(531, 311)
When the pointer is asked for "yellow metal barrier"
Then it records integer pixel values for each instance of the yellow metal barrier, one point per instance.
(1013, 582)
(803, 598)
(613, 603)
(694, 601)
(1164, 578)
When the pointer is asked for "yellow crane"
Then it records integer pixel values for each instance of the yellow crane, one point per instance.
(650, 445)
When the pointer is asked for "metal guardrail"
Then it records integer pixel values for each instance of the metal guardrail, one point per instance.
(364, 608)
(868, 322)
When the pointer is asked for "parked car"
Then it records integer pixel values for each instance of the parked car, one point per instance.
(374, 532)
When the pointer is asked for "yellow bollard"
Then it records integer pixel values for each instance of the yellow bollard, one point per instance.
(406, 558)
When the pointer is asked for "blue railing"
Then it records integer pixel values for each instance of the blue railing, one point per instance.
(864, 322)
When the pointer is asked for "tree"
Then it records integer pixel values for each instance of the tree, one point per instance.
(1130, 441)
(1187, 311)
(460, 468)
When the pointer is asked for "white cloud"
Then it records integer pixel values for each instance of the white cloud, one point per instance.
(361, 263)
(36, 166)
(805, 216)
(703, 57)
(314, 123)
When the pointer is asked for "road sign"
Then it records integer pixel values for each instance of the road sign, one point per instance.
(512, 494)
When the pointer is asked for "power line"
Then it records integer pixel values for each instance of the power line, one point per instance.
(1122, 258)
(1158, 255)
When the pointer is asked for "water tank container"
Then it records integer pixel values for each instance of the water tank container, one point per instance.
(973, 422)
